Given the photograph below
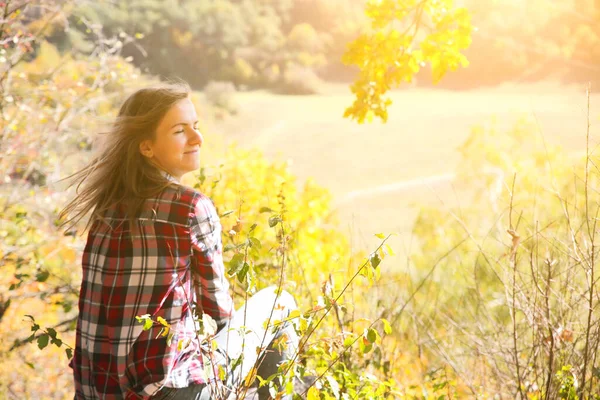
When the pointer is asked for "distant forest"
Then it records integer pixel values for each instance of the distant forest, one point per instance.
(263, 44)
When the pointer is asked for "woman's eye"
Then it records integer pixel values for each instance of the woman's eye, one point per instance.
(180, 131)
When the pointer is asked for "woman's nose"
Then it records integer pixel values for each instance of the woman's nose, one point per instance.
(196, 137)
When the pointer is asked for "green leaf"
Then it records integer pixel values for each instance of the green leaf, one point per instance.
(236, 263)
(163, 321)
(380, 235)
(372, 335)
(146, 320)
(364, 345)
(42, 276)
(375, 260)
(228, 247)
(242, 274)
(69, 352)
(265, 209)
(250, 285)
(255, 242)
(367, 273)
(226, 213)
(236, 362)
(387, 328)
(42, 341)
(348, 341)
(30, 339)
(67, 306)
(253, 227)
(141, 318)
(274, 220)
(164, 331)
(51, 332)
(30, 365)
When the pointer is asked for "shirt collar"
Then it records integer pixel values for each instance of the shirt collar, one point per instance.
(169, 177)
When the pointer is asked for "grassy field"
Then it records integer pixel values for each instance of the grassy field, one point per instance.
(381, 173)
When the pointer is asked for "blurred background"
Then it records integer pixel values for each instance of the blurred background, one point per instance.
(273, 70)
(270, 86)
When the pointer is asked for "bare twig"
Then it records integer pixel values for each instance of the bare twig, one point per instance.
(591, 236)
(513, 262)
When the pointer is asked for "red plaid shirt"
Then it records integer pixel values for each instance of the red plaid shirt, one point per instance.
(174, 260)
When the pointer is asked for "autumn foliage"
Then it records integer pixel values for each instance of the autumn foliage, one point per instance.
(503, 295)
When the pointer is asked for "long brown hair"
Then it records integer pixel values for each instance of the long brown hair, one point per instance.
(120, 174)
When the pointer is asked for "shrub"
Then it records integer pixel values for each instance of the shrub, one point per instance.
(279, 232)
(521, 255)
(299, 80)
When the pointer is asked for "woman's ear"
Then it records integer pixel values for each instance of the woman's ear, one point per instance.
(146, 149)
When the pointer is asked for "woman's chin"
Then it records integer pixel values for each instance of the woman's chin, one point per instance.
(192, 168)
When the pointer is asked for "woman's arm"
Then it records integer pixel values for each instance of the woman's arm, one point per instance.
(209, 275)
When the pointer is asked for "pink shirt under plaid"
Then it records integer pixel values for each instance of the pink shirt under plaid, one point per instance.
(174, 261)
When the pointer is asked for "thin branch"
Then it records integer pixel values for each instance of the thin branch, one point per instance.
(591, 233)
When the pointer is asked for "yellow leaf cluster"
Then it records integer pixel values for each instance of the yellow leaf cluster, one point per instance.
(396, 49)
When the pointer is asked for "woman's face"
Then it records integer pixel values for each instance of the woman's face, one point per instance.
(176, 147)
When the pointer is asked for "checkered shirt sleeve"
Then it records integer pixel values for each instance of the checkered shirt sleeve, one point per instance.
(209, 272)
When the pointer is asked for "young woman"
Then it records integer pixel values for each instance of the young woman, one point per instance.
(154, 249)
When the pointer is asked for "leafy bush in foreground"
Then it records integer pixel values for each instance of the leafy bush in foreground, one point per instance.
(519, 319)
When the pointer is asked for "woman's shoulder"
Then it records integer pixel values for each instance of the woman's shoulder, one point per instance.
(177, 203)
(184, 195)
